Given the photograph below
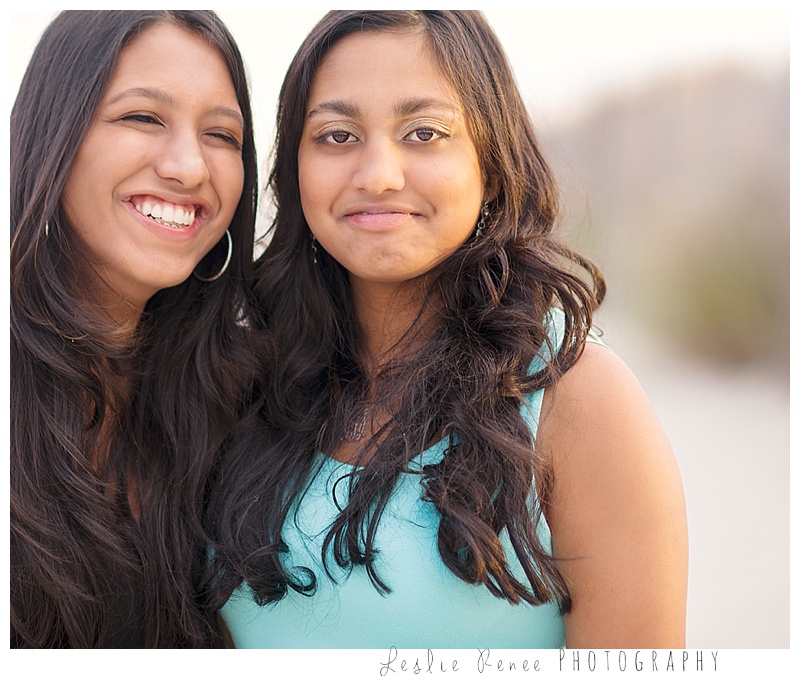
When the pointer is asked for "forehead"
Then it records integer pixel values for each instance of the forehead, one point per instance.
(382, 64)
(168, 54)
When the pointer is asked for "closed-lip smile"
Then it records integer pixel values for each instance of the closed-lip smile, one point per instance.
(377, 209)
(380, 219)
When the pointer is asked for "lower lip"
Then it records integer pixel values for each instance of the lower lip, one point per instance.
(380, 221)
(164, 231)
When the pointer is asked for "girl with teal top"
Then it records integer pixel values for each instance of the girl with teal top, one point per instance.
(438, 453)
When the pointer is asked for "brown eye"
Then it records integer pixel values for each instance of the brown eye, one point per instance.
(424, 135)
(340, 136)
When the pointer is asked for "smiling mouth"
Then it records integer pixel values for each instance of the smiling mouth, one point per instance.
(381, 220)
(382, 213)
(174, 216)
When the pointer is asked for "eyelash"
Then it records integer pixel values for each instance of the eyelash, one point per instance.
(140, 117)
(151, 119)
(228, 139)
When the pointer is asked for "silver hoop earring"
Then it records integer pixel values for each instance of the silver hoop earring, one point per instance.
(481, 224)
(314, 248)
(47, 228)
(224, 266)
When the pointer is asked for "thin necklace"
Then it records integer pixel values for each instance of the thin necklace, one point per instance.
(357, 430)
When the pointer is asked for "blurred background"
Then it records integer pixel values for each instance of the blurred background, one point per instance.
(669, 132)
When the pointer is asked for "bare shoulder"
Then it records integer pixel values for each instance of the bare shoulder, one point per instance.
(617, 510)
(599, 399)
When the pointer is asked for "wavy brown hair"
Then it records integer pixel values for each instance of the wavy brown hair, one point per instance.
(482, 324)
(112, 435)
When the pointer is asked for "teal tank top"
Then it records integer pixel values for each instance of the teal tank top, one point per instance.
(428, 607)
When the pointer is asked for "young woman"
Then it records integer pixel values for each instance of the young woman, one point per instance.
(133, 190)
(439, 452)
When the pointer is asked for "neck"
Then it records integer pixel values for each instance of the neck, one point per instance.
(392, 322)
(120, 314)
(125, 315)
(385, 313)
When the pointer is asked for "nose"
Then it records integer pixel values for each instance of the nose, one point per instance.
(182, 159)
(380, 167)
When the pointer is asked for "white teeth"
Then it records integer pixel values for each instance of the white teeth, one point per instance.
(173, 216)
(184, 217)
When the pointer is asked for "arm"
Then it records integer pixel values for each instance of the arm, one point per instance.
(617, 511)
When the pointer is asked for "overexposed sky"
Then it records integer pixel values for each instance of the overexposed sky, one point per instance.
(562, 58)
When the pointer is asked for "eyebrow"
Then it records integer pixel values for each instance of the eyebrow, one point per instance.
(403, 108)
(339, 107)
(412, 106)
(163, 97)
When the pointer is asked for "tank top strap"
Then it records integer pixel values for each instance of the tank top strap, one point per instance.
(555, 322)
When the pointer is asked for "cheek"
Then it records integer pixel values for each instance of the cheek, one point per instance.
(461, 194)
(75, 197)
(230, 183)
(312, 190)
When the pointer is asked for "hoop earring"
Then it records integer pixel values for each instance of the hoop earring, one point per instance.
(314, 248)
(481, 224)
(47, 228)
(224, 265)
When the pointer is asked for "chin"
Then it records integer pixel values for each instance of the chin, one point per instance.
(172, 281)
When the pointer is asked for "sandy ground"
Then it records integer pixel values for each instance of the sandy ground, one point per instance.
(730, 433)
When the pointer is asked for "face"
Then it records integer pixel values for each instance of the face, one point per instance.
(159, 175)
(390, 179)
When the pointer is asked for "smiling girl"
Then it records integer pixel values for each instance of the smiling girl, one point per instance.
(440, 453)
(133, 177)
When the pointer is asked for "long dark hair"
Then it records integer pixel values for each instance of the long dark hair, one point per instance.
(484, 323)
(112, 434)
